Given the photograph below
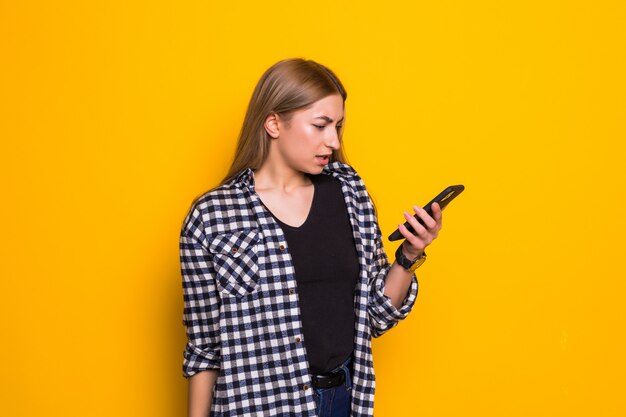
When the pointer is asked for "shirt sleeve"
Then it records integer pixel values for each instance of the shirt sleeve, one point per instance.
(201, 304)
(382, 313)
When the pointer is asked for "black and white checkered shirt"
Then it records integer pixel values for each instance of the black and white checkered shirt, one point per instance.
(241, 310)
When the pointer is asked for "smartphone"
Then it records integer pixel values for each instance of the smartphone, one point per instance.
(443, 199)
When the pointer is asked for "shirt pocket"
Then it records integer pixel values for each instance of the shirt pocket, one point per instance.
(236, 261)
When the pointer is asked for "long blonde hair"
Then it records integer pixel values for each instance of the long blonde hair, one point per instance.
(285, 87)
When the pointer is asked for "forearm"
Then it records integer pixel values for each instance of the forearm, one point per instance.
(201, 393)
(397, 284)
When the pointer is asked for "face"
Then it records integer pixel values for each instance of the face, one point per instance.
(306, 142)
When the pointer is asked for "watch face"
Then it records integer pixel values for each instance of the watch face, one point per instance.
(418, 263)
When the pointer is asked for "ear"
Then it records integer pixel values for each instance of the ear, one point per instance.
(271, 125)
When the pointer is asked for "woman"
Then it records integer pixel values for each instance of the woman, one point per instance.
(285, 277)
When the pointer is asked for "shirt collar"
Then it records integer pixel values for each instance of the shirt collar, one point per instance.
(339, 170)
(244, 178)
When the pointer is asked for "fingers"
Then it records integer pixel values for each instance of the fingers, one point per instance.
(428, 221)
(418, 244)
(424, 235)
(437, 214)
(419, 229)
(433, 223)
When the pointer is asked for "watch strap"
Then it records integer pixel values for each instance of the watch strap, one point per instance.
(408, 264)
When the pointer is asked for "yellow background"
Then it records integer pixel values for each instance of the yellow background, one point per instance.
(115, 115)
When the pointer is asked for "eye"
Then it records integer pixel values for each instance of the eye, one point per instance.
(320, 127)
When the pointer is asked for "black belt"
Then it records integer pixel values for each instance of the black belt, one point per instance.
(332, 378)
(328, 380)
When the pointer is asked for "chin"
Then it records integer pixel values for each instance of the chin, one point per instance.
(318, 170)
(312, 169)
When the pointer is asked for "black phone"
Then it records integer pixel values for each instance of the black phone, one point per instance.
(443, 198)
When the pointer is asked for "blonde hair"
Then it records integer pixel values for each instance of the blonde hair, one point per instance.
(285, 87)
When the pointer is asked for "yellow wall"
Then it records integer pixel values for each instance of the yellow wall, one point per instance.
(114, 116)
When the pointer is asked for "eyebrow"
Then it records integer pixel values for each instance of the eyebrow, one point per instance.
(328, 119)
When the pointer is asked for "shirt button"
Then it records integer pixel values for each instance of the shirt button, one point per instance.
(298, 340)
(281, 247)
(292, 291)
(234, 250)
(306, 387)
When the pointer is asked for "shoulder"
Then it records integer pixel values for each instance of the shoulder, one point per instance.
(351, 183)
(340, 169)
(344, 173)
(209, 211)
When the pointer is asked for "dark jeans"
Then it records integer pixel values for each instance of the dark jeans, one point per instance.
(335, 401)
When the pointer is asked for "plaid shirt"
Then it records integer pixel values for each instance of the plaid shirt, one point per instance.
(241, 311)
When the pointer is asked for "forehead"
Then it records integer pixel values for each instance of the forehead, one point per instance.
(330, 106)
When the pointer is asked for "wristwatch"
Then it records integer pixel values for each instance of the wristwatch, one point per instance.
(406, 263)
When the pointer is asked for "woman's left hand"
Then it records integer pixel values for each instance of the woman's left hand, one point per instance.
(414, 245)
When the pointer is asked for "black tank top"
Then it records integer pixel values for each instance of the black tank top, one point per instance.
(327, 269)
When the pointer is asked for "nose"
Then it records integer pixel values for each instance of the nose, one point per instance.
(332, 140)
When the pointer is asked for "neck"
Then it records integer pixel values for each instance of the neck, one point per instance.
(279, 177)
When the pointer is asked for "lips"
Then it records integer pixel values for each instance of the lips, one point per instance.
(324, 159)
